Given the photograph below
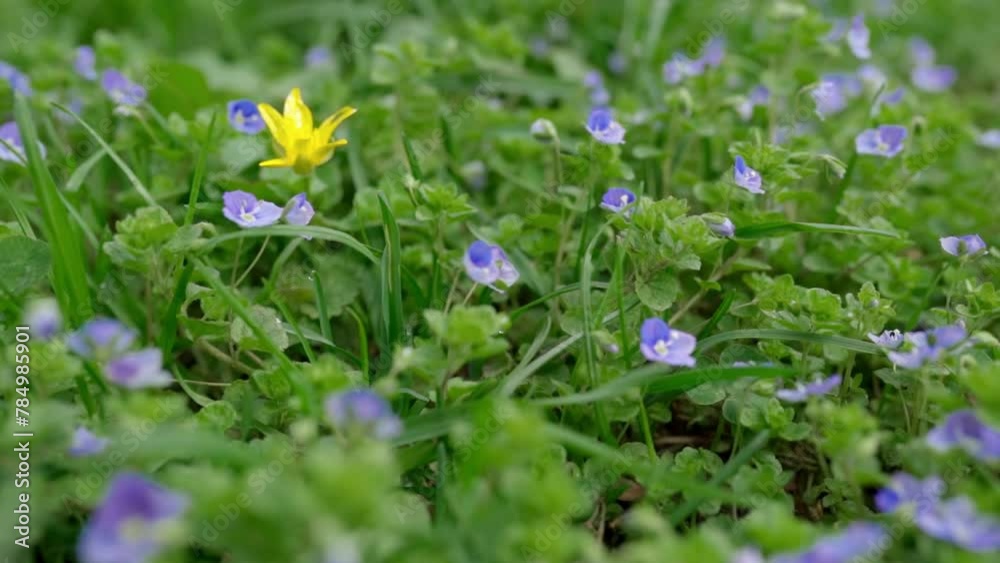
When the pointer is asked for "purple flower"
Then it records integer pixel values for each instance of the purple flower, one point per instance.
(759, 96)
(129, 524)
(748, 555)
(890, 339)
(965, 245)
(593, 79)
(746, 177)
(957, 521)
(245, 117)
(122, 90)
(723, 227)
(714, 52)
(602, 126)
(928, 346)
(298, 210)
(660, 343)
(934, 78)
(680, 67)
(849, 84)
(858, 36)
(486, 264)
(364, 408)
(802, 391)
(617, 63)
(989, 139)
(856, 540)
(539, 47)
(906, 492)
(138, 370)
(247, 211)
(101, 338)
(617, 200)
(964, 429)
(921, 51)
(11, 136)
(888, 98)
(19, 82)
(86, 443)
(872, 75)
(829, 97)
(318, 56)
(886, 140)
(837, 30)
(44, 318)
(85, 61)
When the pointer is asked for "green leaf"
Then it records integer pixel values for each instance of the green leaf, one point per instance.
(269, 321)
(660, 291)
(26, 264)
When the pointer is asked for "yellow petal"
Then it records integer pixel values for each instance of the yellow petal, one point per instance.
(275, 123)
(320, 155)
(276, 163)
(298, 116)
(331, 123)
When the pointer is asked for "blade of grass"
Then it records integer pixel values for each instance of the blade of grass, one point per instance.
(319, 233)
(794, 335)
(391, 277)
(199, 172)
(782, 228)
(590, 355)
(22, 219)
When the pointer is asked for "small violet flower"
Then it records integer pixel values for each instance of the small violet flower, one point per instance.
(759, 96)
(723, 227)
(888, 98)
(365, 408)
(802, 391)
(84, 62)
(617, 63)
(122, 90)
(958, 521)
(906, 492)
(921, 52)
(12, 147)
(101, 338)
(245, 117)
(19, 82)
(872, 75)
(318, 56)
(928, 346)
(858, 36)
(247, 211)
(299, 211)
(746, 177)
(130, 523)
(593, 79)
(44, 318)
(618, 200)
(829, 97)
(660, 343)
(964, 429)
(965, 245)
(934, 78)
(886, 140)
(86, 443)
(486, 264)
(138, 370)
(602, 126)
(857, 540)
(890, 339)
(714, 52)
(989, 139)
(680, 67)
(838, 29)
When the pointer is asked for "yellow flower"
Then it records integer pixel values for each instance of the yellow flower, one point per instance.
(303, 148)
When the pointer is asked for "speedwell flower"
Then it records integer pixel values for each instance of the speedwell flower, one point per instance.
(11, 136)
(858, 36)
(604, 128)
(966, 245)
(84, 62)
(934, 78)
(302, 146)
(138, 370)
(928, 346)
(906, 492)
(872, 75)
(617, 200)
(921, 52)
(885, 141)
(129, 524)
(714, 52)
(964, 429)
(830, 98)
(101, 338)
(487, 263)
(245, 117)
(86, 443)
(680, 67)
(746, 177)
(122, 90)
(722, 226)
(759, 96)
(958, 521)
(890, 339)
(299, 211)
(19, 82)
(364, 408)
(318, 56)
(802, 391)
(989, 139)
(660, 343)
(857, 540)
(44, 318)
(247, 211)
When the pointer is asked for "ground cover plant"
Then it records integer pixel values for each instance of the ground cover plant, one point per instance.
(568, 281)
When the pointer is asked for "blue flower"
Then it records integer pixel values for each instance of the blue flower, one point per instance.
(245, 117)
(934, 78)
(44, 318)
(540, 47)
(965, 245)
(139, 370)
(11, 136)
(247, 211)
(759, 96)
(748, 555)
(593, 79)
(989, 139)
(318, 56)
(122, 90)
(890, 339)
(299, 211)
(858, 36)
(921, 52)
(714, 52)
(723, 226)
(928, 346)
(830, 98)
(86, 443)
(855, 541)
(617, 200)
(602, 126)
(872, 75)
(363, 408)
(599, 97)
(957, 521)
(84, 62)
(888, 98)
(617, 63)
(486, 264)
(886, 140)
(101, 338)
(19, 82)
(680, 67)
(746, 177)
(964, 429)
(130, 523)
(838, 28)
(802, 391)
(906, 492)
(660, 343)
